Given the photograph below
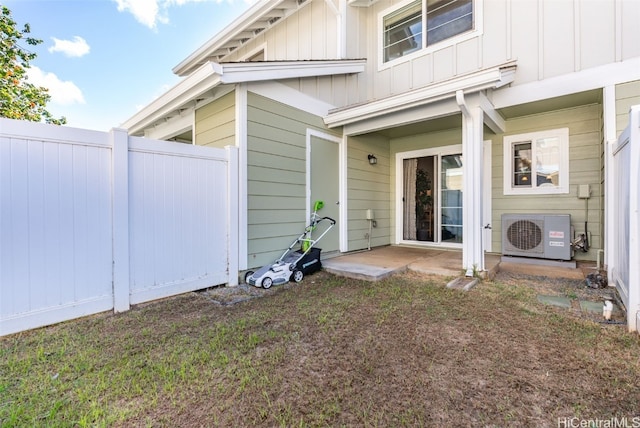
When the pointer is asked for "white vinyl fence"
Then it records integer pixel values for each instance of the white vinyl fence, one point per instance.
(93, 221)
(624, 265)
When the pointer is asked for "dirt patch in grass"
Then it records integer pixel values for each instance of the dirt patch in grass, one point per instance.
(329, 351)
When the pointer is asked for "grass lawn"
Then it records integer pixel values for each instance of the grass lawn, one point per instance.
(329, 351)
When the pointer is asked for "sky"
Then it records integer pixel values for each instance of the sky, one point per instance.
(103, 60)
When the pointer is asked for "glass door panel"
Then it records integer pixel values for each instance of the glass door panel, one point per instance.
(451, 198)
(418, 199)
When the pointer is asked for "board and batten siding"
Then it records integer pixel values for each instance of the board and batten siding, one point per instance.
(276, 182)
(547, 38)
(585, 166)
(216, 123)
(309, 33)
(368, 188)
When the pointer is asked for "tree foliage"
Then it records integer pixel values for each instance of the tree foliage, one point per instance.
(20, 99)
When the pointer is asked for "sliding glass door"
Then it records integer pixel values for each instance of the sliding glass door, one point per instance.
(430, 185)
(451, 197)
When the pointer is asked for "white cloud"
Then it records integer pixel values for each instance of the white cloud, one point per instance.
(63, 93)
(146, 12)
(72, 48)
(152, 12)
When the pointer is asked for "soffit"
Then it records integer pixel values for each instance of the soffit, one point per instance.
(551, 104)
(260, 17)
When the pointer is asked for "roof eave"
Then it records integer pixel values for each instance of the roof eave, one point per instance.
(211, 75)
(255, 13)
(203, 79)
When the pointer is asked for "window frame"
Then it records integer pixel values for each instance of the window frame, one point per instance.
(562, 134)
(470, 34)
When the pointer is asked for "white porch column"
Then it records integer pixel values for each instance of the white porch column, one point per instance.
(472, 167)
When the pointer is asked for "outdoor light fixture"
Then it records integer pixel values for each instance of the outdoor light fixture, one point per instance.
(372, 159)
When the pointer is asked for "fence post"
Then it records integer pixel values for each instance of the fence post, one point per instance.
(120, 176)
(232, 214)
(633, 311)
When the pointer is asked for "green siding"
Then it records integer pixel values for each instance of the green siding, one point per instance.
(215, 123)
(627, 95)
(368, 187)
(585, 167)
(276, 169)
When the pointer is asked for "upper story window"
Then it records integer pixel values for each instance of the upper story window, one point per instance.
(408, 29)
(403, 31)
(537, 162)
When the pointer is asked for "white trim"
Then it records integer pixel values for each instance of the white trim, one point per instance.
(243, 204)
(289, 96)
(341, 180)
(253, 22)
(477, 31)
(199, 84)
(262, 47)
(400, 157)
(236, 72)
(344, 196)
(570, 83)
(187, 90)
(610, 140)
(473, 82)
(563, 174)
(172, 127)
(487, 190)
(233, 196)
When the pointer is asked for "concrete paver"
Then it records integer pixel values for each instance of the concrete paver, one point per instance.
(559, 301)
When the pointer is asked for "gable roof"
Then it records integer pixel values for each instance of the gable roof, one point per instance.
(256, 20)
(200, 86)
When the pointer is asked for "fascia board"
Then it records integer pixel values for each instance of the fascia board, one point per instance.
(241, 23)
(436, 109)
(254, 72)
(475, 82)
(202, 80)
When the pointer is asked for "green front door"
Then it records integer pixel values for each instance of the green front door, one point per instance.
(324, 183)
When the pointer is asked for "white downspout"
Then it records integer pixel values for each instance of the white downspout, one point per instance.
(472, 150)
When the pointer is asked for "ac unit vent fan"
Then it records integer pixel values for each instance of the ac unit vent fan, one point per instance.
(524, 235)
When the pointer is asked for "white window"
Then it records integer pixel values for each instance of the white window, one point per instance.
(403, 31)
(537, 163)
(403, 28)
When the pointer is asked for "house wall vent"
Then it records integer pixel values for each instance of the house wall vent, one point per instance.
(543, 236)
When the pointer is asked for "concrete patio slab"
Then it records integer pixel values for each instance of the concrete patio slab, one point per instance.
(381, 262)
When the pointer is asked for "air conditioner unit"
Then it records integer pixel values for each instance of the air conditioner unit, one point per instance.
(546, 236)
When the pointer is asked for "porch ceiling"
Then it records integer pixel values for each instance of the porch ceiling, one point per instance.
(558, 103)
(448, 122)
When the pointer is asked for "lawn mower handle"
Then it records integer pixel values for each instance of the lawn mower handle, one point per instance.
(330, 219)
